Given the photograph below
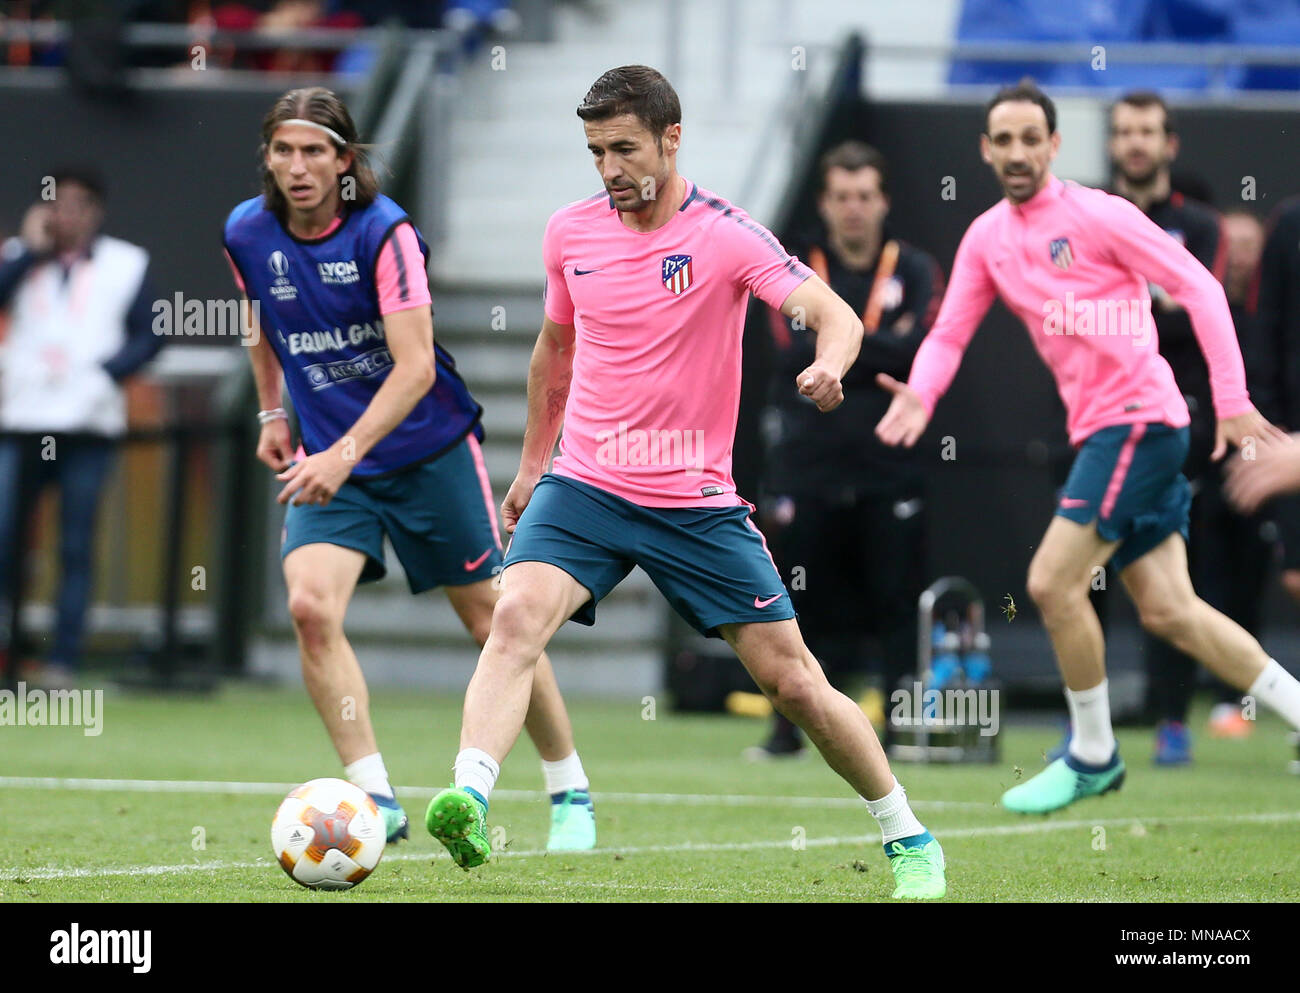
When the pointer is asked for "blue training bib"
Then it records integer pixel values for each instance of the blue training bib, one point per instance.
(320, 310)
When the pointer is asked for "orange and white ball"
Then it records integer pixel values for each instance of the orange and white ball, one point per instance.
(328, 834)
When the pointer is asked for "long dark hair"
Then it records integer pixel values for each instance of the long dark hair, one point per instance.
(320, 106)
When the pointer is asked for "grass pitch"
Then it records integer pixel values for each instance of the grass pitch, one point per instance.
(173, 802)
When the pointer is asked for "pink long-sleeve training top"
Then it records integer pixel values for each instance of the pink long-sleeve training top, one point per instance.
(1073, 264)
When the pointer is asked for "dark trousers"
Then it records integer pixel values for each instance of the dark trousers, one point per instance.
(78, 465)
(855, 567)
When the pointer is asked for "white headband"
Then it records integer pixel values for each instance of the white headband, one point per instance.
(338, 138)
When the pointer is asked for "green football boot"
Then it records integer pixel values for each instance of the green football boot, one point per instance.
(573, 822)
(458, 818)
(918, 869)
(1061, 783)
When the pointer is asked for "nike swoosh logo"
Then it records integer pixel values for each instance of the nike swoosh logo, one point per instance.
(1069, 503)
(760, 604)
(471, 566)
(583, 272)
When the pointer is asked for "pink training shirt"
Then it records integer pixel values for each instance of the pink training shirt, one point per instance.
(651, 415)
(395, 293)
(1073, 264)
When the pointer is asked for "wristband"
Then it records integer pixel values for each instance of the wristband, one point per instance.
(265, 417)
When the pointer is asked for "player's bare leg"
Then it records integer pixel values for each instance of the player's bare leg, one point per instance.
(1169, 608)
(1060, 579)
(573, 823)
(321, 579)
(536, 598)
(785, 670)
(547, 720)
(1059, 583)
(789, 675)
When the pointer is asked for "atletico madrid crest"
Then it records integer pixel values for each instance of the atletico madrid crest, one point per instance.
(676, 272)
(1059, 248)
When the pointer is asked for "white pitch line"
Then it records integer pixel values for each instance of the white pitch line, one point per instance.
(279, 789)
(15, 873)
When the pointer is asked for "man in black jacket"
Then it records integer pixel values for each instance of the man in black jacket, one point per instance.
(844, 512)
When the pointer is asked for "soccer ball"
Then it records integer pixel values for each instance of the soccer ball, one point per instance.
(328, 835)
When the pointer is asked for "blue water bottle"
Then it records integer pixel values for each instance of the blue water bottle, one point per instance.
(977, 664)
(946, 664)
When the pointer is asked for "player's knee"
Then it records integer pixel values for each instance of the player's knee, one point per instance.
(314, 618)
(517, 625)
(1047, 590)
(1168, 618)
(796, 691)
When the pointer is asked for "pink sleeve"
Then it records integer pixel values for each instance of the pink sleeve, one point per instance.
(967, 299)
(1137, 243)
(557, 302)
(763, 266)
(234, 271)
(400, 277)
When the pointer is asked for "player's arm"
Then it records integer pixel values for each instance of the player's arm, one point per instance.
(1143, 246)
(550, 372)
(1204, 239)
(968, 297)
(274, 442)
(839, 336)
(409, 335)
(1274, 470)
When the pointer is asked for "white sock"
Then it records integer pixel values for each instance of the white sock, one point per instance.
(1280, 690)
(476, 769)
(894, 816)
(369, 773)
(1092, 740)
(564, 775)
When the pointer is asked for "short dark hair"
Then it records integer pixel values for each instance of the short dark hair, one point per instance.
(87, 177)
(1146, 98)
(637, 90)
(1026, 90)
(853, 155)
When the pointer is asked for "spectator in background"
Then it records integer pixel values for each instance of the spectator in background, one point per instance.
(285, 17)
(837, 501)
(80, 312)
(1229, 559)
